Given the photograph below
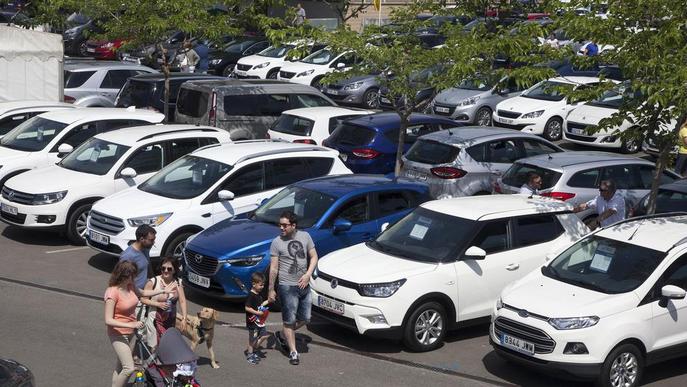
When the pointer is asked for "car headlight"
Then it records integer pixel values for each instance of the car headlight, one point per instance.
(48, 198)
(261, 65)
(533, 114)
(468, 102)
(573, 322)
(305, 73)
(353, 86)
(499, 303)
(151, 220)
(215, 61)
(251, 260)
(386, 289)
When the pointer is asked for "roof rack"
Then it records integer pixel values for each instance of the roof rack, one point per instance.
(279, 151)
(191, 129)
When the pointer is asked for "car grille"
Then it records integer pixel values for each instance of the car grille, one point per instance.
(243, 67)
(16, 196)
(451, 109)
(579, 138)
(335, 87)
(576, 125)
(543, 343)
(286, 74)
(509, 126)
(106, 223)
(340, 282)
(507, 114)
(201, 264)
(18, 219)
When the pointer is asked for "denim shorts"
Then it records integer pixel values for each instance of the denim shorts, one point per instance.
(295, 304)
(255, 332)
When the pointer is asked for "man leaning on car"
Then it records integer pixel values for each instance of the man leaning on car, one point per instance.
(609, 205)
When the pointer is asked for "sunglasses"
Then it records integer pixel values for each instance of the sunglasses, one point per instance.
(166, 268)
(284, 225)
(603, 190)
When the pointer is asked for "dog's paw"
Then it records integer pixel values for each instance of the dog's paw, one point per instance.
(215, 365)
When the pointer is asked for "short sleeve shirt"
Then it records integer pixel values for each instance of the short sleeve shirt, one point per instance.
(527, 190)
(683, 134)
(124, 310)
(140, 259)
(253, 301)
(617, 203)
(292, 253)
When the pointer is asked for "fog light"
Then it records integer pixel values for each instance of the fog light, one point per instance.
(462, 117)
(575, 349)
(609, 139)
(46, 219)
(376, 319)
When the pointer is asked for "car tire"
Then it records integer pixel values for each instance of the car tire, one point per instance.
(273, 74)
(83, 49)
(76, 224)
(483, 117)
(176, 246)
(553, 130)
(630, 146)
(425, 328)
(624, 367)
(371, 98)
(226, 72)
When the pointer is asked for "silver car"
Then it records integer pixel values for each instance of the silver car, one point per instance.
(361, 90)
(474, 99)
(575, 176)
(91, 83)
(466, 161)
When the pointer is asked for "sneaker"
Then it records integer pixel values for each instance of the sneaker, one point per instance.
(260, 353)
(253, 360)
(293, 358)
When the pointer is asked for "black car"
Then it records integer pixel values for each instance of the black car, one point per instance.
(13, 374)
(420, 80)
(671, 197)
(79, 28)
(223, 60)
(147, 91)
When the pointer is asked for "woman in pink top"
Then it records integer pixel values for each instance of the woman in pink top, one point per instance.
(121, 298)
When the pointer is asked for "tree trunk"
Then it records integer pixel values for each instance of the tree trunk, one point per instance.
(666, 147)
(401, 139)
(165, 71)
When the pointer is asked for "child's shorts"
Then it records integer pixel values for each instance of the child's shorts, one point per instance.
(254, 333)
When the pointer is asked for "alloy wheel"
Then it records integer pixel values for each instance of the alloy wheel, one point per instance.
(179, 251)
(428, 327)
(483, 117)
(624, 370)
(372, 99)
(555, 130)
(81, 224)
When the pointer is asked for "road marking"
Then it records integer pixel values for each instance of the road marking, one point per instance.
(66, 250)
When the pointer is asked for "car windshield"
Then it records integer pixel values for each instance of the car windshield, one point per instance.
(480, 84)
(549, 91)
(309, 206)
(425, 236)
(135, 93)
(95, 156)
(519, 174)
(238, 46)
(321, 57)
(276, 52)
(604, 265)
(610, 99)
(185, 178)
(33, 135)
(286, 123)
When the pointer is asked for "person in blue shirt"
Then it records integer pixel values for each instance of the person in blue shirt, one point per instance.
(591, 49)
(203, 51)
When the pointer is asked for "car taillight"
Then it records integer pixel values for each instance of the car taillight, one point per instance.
(365, 153)
(69, 99)
(559, 195)
(305, 141)
(213, 110)
(448, 172)
(497, 187)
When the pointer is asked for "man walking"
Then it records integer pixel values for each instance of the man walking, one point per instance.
(300, 15)
(532, 186)
(609, 205)
(293, 260)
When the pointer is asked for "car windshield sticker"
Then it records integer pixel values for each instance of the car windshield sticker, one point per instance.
(602, 258)
(298, 208)
(94, 155)
(420, 229)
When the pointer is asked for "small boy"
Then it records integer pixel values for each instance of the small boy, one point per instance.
(256, 314)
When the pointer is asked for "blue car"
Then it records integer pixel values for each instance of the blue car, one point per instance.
(368, 144)
(337, 212)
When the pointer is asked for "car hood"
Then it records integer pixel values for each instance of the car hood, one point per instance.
(231, 237)
(253, 60)
(454, 95)
(51, 179)
(590, 114)
(357, 78)
(562, 299)
(361, 264)
(132, 202)
(298, 67)
(7, 154)
(526, 105)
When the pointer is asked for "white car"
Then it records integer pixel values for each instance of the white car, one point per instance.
(606, 307)
(202, 188)
(266, 64)
(13, 113)
(443, 264)
(541, 108)
(311, 69)
(311, 125)
(60, 196)
(41, 140)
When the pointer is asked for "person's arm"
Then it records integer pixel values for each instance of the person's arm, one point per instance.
(110, 320)
(250, 310)
(584, 206)
(613, 208)
(182, 306)
(149, 293)
(274, 270)
(305, 279)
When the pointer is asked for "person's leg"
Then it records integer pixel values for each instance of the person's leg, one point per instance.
(125, 363)
(304, 308)
(289, 306)
(251, 341)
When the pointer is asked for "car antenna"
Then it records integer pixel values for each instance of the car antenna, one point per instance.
(637, 229)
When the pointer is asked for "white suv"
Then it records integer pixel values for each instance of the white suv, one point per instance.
(60, 196)
(41, 140)
(311, 125)
(603, 309)
(443, 264)
(203, 188)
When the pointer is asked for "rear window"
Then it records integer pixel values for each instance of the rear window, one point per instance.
(256, 105)
(192, 103)
(289, 124)
(134, 93)
(518, 174)
(74, 79)
(432, 152)
(353, 135)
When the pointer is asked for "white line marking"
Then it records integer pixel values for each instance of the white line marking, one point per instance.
(66, 250)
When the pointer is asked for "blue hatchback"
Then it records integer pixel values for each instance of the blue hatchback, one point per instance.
(337, 212)
(368, 144)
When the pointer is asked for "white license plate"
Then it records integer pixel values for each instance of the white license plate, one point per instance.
(98, 237)
(577, 131)
(333, 92)
(130, 59)
(441, 109)
(385, 100)
(9, 209)
(240, 73)
(416, 175)
(506, 121)
(343, 157)
(90, 49)
(198, 280)
(518, 345)
(331, 305)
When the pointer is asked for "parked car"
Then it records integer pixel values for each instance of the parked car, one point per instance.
(13, 113)
(360, 90)
(13, 374)
(246, 108)
(337, 212)
(59, 197)
(75, 36)
(442, 265)
(671, 197)
(203, 188)
(96, 84)
(542, 108)
(223, 60)
(267, 63)
(603, 309)
(311, 125)
(466, 161)
(147, 91)
(420, 82)
(103, 49)
(311, 69)
(42, 140)
(575, 176)
(368, 144)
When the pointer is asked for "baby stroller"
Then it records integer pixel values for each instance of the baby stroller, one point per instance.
(173, 365)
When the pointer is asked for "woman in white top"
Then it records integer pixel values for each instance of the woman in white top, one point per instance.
(163, 315)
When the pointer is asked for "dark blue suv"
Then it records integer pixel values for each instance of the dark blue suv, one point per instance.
(337, 212)
(368, 144)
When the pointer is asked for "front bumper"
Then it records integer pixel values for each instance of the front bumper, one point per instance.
(345, 96)
(120, 241)
(45, 217)
(534, 126)
(251, 74)
(462, 114)
(596, 140)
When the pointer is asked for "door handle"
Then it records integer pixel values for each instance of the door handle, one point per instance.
(207, 215)
(513, 266)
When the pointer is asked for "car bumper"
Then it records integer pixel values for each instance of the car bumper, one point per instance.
(462, 114)
(116, 243)
(48, 216)
(345, 96)
(598, 141)
(251, 74)
(534, 126)
(228, 282)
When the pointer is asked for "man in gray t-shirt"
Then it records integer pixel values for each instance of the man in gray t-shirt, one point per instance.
(293, 260)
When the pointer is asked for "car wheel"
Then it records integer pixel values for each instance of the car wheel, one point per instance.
(83, 50)
(76, 224)
(175, 248)
(483, 117)
(228, 70)
(273, 74)
(553, 131)
(623, 367)
(425, 328)
(630, 146)
(371, 98)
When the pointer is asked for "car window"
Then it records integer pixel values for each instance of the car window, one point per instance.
(10, 122)
(493, 237)
(79, 134)
(392, 202)
(503, 151)
(518, 174)
(412, 133)
(115, 79)
(282, 172)
(346, 134)
(534, 147)
(335, 121)
(181, 147)
(585, 179)
(287, 123)
(432, 152)
(148, 159)
(675, 275)
(247, 180)
(318, 166)
(622, 175)
(256, 105)
(192, 103)
(478, 152)
(646, 176)
(531, 230)
(74, 79)
(355, 211)
(307, 100)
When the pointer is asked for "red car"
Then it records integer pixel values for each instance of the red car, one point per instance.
(103, 49)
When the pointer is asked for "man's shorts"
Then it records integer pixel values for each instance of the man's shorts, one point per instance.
(295, 304)
(255, 332)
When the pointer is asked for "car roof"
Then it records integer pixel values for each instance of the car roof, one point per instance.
(677, 185)
(340, 185)
(30, 103)
(391, 120)
(156, 77)
(497, 206)
(248, 83)
(69, 116)
(97, 65)
(474, 134)
(643, 231)
(132, 135)
(319, 112)
(578, 158)
(236, 152)
(580, 80)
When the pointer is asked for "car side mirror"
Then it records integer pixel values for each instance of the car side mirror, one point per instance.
(64, 149)
(671, 292)
(340, 65)
(341, 225)
(225, 195)
(263, 201)
(128, 173)
(385, 225)
(476, 253)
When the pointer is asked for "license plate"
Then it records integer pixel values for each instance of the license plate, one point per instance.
(240, 73)
(333, 92)
(441, 109)
(331, 305)
(90, 49)
(343, 157)
(518, 345)
(385, 100)
(577, 131)
(131, 59)
(506, 121)
(9, 209)
(198, 280)
(416, 175)
(98, 237)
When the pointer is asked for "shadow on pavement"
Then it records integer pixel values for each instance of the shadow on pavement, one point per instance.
(346, 338)
(522, 376)
(103, 262)
(34, 237)
(669, 369)
(225, 306)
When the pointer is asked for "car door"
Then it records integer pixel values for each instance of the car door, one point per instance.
(146, 161)
(248, 186)
(646, 178)
(669, 324)
(355, 210)
(113, 82)
(532, 147)
(534, 236)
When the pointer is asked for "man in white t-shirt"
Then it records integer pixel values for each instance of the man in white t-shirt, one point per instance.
(609, 205)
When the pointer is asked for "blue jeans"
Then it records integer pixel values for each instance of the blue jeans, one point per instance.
(295, 304)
